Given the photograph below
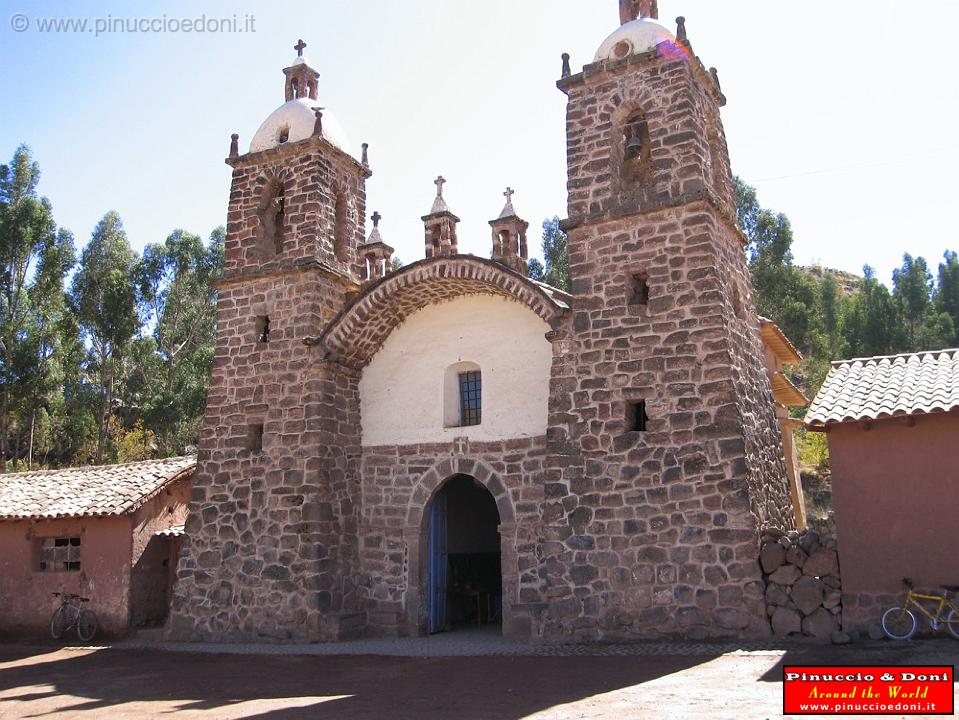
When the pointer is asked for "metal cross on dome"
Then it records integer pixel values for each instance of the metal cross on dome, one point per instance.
(299, 47)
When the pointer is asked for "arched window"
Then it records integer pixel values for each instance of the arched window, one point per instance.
(463, 395)
(270, 211)
(636, 150)
(342, 223)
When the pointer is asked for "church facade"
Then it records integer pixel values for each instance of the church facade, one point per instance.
(399, 452)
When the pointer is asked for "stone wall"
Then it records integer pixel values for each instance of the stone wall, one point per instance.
(655, 533)
(803, 584)
(271, 545)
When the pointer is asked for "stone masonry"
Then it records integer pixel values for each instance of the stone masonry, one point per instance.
(637, 513)
(655, 531)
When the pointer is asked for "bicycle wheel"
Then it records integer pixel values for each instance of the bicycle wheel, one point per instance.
(86, 625)
(899, 623)
(953, 623)
(59, 623)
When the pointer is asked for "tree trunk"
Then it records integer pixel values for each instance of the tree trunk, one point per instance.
(33, 425)
(105, 410)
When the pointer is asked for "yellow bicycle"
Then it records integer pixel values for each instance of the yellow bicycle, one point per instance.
(900, 623)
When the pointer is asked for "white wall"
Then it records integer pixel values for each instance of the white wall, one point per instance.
(402, 389)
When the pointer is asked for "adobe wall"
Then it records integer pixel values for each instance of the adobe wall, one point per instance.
(152, 555)
(891, 489)
(397, 485)
(104, 574)
(501, 338)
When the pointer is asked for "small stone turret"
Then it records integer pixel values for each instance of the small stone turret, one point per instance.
(440, 226)
(301, 79)
(509, 237)
(375, 255)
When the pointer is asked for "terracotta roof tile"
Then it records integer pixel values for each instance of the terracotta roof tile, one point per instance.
(873, 388)
(88, 491)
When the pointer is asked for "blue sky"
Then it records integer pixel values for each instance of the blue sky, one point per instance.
(846, 122)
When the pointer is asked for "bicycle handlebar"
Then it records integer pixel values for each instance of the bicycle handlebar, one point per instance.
(70, 596)
(907, 583)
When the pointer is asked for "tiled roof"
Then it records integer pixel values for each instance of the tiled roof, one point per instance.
(873, 388)
(88, 491)
(775, 339)
(175, 531)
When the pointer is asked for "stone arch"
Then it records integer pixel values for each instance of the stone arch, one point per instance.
(270, 190)
(417, 544)
(434, 479)
(632, 168)
(359, 331)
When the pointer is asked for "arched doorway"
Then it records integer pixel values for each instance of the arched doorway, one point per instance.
(464, 565)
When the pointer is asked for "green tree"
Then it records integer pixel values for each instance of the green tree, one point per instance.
(103, 297)
(174, 284)
(871, 326)
(912, 290)
(29, 270)
(536, 270)
(556, 256)
(782, 292)
(947, 291)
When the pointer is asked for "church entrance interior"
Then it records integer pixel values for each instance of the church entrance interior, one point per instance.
(465, 577)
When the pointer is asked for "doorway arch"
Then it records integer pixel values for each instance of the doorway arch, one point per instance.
(418, 546)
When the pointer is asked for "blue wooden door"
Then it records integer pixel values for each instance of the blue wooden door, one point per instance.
(438, 563)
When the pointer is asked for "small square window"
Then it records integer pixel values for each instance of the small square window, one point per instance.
(60, 554)
(263, 328)
(638, 289)
(471, 397)
(636, 417)
(254, 437)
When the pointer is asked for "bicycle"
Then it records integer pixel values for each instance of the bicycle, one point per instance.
(70, 616)
(900, 623)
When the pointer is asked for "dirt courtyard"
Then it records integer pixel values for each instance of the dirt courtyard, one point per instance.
(686, 682)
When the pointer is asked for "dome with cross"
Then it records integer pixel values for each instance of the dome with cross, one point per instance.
(298, 118)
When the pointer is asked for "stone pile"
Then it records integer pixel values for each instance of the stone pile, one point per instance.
(803, 586)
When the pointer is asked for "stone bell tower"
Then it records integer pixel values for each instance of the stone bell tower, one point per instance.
(664, 461)
(269, 538)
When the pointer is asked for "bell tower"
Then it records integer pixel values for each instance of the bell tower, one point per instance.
(664, 464)
(270, 531)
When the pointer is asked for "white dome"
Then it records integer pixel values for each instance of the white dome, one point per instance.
(297, 118)
(638, 36)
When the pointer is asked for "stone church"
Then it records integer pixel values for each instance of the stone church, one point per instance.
(398, 452)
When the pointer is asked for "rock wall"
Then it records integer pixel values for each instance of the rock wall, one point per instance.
(803, 586)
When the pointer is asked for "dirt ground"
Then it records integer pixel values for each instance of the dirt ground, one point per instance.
(107, 684)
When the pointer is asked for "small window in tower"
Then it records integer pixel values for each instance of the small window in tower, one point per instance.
(280, 206)
(284, 134)
(263, 328)
(471, 397)
(254, 437)
(638, 289)
(636, 417)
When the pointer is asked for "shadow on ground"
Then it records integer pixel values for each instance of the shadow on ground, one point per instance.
(147, 683)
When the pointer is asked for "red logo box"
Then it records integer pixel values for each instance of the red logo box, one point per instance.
(868, 689)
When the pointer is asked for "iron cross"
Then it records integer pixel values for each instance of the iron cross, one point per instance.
(299, 47)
